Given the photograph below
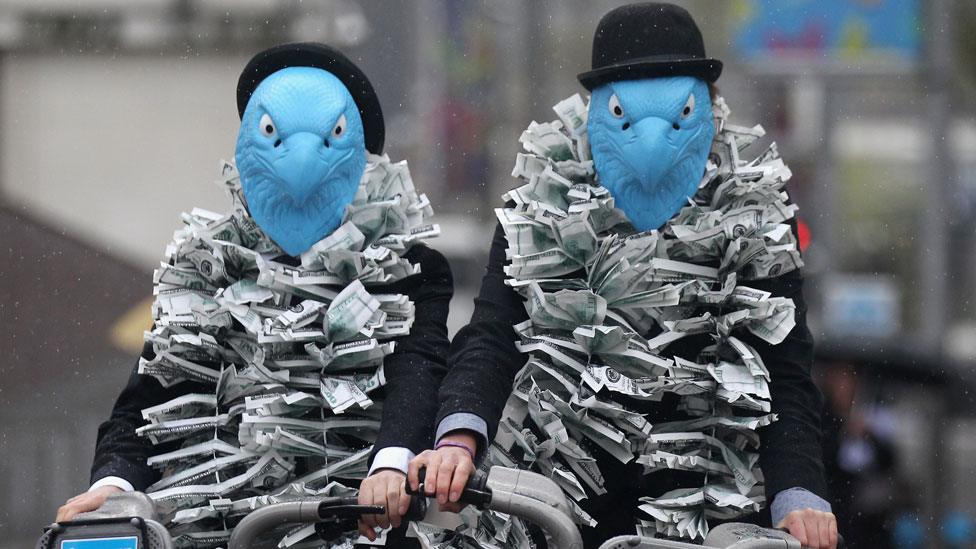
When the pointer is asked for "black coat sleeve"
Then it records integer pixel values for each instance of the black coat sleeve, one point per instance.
(484, 360)
(790, 453)
(119, 452)
(419, 361)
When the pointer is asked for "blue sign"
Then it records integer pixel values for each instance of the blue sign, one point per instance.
(862, 306)
(837, 30)
(131, 542)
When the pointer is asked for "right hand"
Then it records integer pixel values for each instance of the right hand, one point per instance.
(448, 470)
(85, 502)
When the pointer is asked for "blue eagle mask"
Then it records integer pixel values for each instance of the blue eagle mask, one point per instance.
(301, 154)
(650, 139)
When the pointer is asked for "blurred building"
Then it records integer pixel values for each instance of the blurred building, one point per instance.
(114, 114)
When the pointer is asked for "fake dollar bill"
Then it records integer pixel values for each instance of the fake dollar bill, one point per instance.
(607, 305)
(286, 356)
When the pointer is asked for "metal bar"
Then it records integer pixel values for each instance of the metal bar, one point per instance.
(261, 520)
(538, 500)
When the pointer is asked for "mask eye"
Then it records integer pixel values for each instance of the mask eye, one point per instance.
(688, 108)
(267, 126)
(340, 127)
(615, 109)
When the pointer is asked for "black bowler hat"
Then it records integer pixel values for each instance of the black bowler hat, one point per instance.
(648, 40)
(320, 56)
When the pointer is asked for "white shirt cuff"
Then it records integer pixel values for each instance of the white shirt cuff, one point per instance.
(118, 482)
(392, 457)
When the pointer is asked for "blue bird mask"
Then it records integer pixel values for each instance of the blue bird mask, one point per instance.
(650, 139)
(301, 154)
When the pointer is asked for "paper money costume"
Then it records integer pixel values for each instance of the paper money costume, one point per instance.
(649, 266)
(291, 333)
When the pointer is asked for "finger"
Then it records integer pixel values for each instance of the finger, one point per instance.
(461, 474)
(433, 466)
(365, 492)
(69, 511)
(404, 502)
(444, 475)
(73, 510)
(413, 470)
(365, 530)
(833, 531)
(823, 529)
(798, 531)
(368, 520)
(813, 531)
(365, 497)
(379, 498)
(393, 502)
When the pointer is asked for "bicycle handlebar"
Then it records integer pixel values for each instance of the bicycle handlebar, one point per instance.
(533, 497)
(332, 516)
(528, 495)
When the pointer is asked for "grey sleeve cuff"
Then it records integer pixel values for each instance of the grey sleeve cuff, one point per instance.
(794, 499)
(463, 420)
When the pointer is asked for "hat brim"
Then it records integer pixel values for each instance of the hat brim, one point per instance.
(706, 69)
(320, 56)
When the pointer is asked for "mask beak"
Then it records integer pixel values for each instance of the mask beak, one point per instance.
(304, 164)
(650, 153)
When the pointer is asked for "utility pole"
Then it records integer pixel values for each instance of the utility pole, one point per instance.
(936, 75)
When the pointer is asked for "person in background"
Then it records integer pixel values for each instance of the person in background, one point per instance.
(861, 461)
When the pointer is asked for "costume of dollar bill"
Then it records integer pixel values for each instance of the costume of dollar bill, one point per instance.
(594, 285)
(648, 265)
(295, 381)
(282, 333)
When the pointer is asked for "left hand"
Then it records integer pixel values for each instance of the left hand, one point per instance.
(384, 487)
(814, 529)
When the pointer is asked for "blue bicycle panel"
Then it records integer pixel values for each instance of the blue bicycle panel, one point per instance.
(131, 542)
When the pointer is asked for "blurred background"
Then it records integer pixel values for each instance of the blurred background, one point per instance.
(115, 113)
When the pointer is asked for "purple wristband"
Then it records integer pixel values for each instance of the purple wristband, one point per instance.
(452, 444)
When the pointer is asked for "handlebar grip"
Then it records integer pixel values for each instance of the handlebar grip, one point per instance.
(474, 492)
(840, 539)
(346, 507)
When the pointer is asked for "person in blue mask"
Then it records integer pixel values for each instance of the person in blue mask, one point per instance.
(278, 324)
(651, 128)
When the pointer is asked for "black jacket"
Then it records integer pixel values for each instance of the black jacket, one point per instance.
(484, 360)
(416, 365)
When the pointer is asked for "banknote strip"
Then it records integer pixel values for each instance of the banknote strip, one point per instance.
(280, 360)
(621, 321)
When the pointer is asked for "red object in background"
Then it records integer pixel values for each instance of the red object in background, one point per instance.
(804, 231)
